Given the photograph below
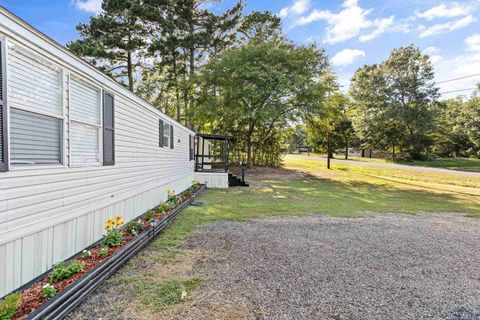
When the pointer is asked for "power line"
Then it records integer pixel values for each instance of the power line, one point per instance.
(456, 79)
(460, 90)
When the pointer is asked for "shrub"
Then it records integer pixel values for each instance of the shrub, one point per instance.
(134, 227)
(86, 254)
(64, 270)
(48, 291)
(163, 207)
(150, 215)
(114, 236)
(103, 252)
(9, 306)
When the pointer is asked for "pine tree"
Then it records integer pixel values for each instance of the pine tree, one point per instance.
(114, 40)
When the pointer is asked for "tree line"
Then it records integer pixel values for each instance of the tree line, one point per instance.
(238, 74)
(225, 73)
(395, 107)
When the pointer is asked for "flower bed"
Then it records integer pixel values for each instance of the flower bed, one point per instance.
(57, 293)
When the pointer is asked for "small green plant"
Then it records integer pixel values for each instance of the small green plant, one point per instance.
(103, 252)
(86, 254)
(163, 207)
(114, 236)
(9, 306)
(134, 227)
(48, 291)
(150, 215)
(64, 270)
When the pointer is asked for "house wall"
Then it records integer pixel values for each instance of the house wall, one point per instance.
(214, 180)
(49, 213)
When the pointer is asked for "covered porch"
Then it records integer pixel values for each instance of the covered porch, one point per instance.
(212, 161)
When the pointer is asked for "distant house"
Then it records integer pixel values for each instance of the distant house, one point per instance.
(76, 148)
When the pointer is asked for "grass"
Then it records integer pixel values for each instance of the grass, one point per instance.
(348, 191)
(161, 294)
(160, 277)
(462, 164)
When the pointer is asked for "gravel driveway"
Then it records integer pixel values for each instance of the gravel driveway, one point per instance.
(381, 267)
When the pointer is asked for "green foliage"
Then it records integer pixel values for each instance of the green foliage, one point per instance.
(134, 227)
(392, 100)
(103, 252)
(86, 254)
(112, 39)
(281, 83)
(48, 291)
(9, 306)
(150, 215)
(164, 207)
(64, 270)
(113, 238)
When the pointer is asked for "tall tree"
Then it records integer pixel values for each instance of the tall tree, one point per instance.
(114, 40)
(393, 102)
(268, 84)
(187, 33)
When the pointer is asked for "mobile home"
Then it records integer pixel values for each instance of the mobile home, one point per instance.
(76, 148)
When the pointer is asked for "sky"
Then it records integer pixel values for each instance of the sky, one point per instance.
(352, 32)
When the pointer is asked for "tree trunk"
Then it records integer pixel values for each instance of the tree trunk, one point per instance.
(177, 92)
(192, 68)
(393, 152)
(251, 129)
(346, 148)
(329, 149)
(130, 70)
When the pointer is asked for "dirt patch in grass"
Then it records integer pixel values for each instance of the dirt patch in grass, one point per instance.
(151, 286)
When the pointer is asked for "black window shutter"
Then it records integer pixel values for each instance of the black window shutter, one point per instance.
(3, 113)
(171, 137)
(108, 130)
(160, 133)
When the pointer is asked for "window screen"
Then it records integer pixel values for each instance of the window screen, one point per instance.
(35, 138)
(108, 130)
(85, 123)
(166, 135)
(36, 108)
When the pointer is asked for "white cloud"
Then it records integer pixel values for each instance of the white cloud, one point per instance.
(446, 27)
(383, 26)
(297, 8)
(473, 42)
(347, 56)
(433, 53)
(349, 23)
(455, 9)
(94, 6)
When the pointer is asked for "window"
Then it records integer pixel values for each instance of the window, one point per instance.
(108, 130)
(165, 134)
(85, 124)
(191, 146)
(35, 94)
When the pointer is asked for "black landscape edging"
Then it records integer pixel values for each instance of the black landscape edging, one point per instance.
(62, 304)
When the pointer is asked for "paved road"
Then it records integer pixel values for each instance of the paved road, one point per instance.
(390, 165)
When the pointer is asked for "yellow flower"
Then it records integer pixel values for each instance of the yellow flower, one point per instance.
(118, 218)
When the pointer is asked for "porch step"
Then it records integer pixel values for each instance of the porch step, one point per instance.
(234, 181)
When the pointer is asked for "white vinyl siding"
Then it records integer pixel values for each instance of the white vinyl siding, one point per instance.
(36, 108)
(85, 118)
(34, 138)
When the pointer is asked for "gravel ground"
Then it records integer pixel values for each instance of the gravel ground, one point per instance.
(380, 267)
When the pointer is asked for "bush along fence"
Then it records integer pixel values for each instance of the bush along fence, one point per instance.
(58, 292)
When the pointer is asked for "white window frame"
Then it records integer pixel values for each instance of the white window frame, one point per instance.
(62, 117)
(71, 120)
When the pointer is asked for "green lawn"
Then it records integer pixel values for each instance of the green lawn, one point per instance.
(464, 164)
(344, 192)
